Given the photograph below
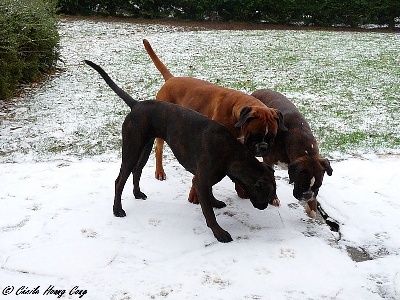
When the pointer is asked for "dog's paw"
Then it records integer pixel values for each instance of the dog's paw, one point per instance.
(310, 212)
(140, 195)
(192, 198)
(222, 236)
(196, 201)
(119, 212)
(160, 175)
(275, 202)
(311, 208)
(218, 204)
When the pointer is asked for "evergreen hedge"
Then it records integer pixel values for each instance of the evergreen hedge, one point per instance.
(28, 42)
(306, 12)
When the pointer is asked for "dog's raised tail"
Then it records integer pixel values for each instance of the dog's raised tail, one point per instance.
(120, 92)
(157, 62)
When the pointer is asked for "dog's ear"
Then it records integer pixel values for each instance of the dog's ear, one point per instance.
(281, 121)
(327, 166)
(245, 114)
(293, 170)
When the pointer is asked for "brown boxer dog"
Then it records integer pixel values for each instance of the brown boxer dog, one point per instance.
(297, 148)
(210, 155)
(255, 124)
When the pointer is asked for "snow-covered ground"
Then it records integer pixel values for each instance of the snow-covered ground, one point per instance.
(57, 229)
(58, 236)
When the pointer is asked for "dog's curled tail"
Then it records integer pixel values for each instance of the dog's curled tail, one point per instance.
(120, 92)
(157, 62)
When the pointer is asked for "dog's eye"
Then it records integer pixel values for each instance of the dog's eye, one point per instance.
(269, 140)
(249, 119)
(305, 187)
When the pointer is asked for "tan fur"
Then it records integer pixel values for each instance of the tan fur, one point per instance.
(221, 104)
(218, 103)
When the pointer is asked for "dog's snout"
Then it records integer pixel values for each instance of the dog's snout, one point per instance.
(307, 195)
(261, 206)
(262, 149)
(263, 146)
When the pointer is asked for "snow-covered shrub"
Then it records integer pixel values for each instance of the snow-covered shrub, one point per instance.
(28, 42)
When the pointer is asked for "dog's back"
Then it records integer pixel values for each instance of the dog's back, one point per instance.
(292, 117)
(276, 100)
(220, 104)
(298, 138)
(169, 122)
(215, 102)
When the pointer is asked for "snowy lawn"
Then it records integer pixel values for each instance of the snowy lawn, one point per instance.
(57, 228)
(59, 155)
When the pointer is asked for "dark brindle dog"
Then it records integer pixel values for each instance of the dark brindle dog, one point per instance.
(297, 148)
(203, 147)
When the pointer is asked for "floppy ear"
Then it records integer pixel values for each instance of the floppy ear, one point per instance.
(281, 121)
(293, 170)
(327, 166)
(245, 114)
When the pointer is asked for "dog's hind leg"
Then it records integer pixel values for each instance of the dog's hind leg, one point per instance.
(131, 152)
(160, 174)
(137, 172)
(124, 172)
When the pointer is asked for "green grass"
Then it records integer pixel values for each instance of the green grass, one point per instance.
(347, 84)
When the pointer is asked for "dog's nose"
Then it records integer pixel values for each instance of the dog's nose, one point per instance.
(261, 206)
(307, 195)
(262, 149)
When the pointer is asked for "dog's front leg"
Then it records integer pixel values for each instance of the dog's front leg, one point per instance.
(240, 191)
(160, 174)
(195, 200)
(204, 193)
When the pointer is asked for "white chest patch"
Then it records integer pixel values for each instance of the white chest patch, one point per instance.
(312, 182)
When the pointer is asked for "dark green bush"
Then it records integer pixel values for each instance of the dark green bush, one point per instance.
(307, 12)
(28, 42)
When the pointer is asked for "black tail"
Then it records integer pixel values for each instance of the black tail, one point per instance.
(120, 92)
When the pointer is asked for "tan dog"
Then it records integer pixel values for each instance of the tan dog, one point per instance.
(246, 117)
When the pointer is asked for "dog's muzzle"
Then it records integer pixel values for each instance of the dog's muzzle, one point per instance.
(307, 196)
(261, 206)
(262, 149)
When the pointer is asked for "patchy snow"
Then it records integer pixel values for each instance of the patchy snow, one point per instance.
(346, 83)
(59, 156)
